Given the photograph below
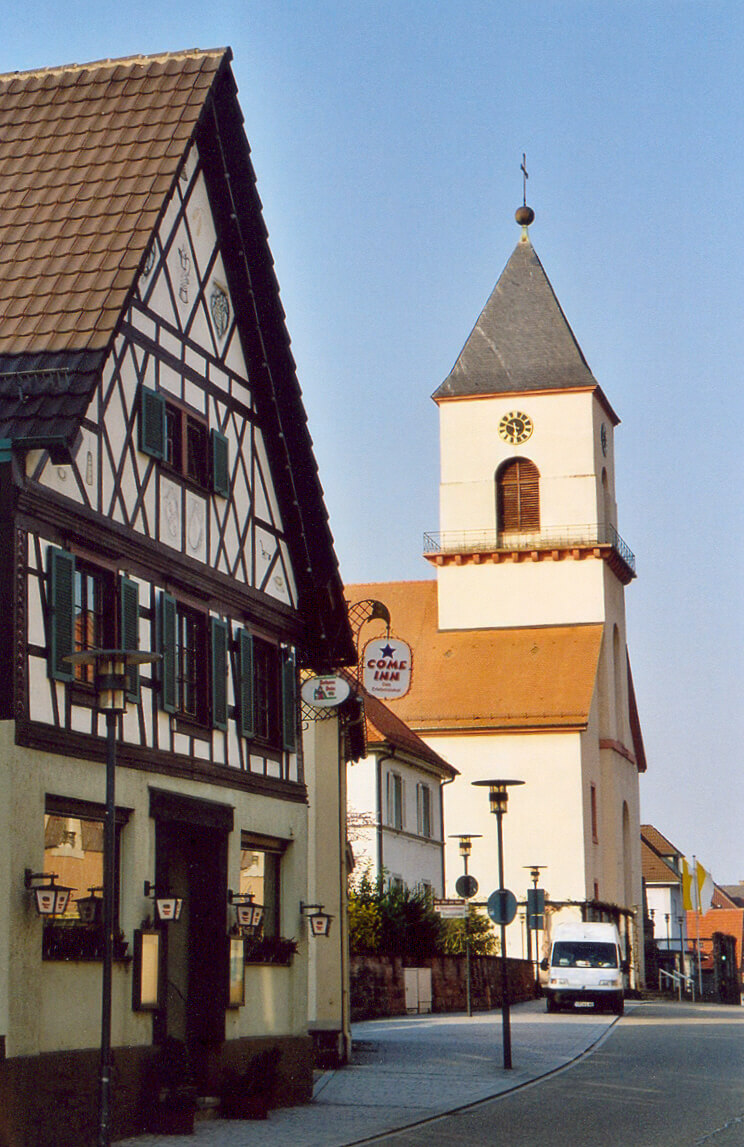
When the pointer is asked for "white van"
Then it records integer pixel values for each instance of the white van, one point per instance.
(585, 968)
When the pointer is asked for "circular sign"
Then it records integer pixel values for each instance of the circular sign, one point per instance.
(386, 668)
(502, 906)
(325, 692)
(466, 886)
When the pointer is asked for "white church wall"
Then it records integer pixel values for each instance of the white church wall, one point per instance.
(524, 593)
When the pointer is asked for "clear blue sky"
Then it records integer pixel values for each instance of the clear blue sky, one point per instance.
(387, 139)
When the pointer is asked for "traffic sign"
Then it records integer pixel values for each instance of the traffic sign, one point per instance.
(502, 906)
(535, 907)
(466, 886)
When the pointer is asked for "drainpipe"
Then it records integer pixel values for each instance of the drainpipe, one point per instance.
(380, 852)
(441, 829)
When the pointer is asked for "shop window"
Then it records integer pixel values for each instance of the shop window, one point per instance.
(260, 876)
(73, 851)
(423, 810)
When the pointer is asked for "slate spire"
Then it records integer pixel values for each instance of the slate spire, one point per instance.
(522, 340)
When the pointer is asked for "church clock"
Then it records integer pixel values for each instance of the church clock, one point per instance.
(515, 427)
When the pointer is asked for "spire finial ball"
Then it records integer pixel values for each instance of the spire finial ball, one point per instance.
(524, 215)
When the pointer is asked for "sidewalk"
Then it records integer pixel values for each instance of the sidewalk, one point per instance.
(407, 1069)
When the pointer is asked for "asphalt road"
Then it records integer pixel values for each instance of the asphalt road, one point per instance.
(666, 1075)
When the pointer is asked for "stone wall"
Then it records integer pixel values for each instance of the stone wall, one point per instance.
(378, 984)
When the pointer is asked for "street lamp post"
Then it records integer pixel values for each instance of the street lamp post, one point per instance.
(110, 668)
(498, 796)
(534, 870)
(466, 846)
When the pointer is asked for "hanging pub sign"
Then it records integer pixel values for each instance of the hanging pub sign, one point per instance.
(386, 668)
(325, 692)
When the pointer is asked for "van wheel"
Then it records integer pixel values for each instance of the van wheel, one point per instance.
(618, 1008)
(550, 1004)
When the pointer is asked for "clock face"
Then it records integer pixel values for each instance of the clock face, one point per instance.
(515, 427)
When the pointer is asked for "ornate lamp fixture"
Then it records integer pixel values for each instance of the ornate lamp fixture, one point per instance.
(51, 899)
(319, 921)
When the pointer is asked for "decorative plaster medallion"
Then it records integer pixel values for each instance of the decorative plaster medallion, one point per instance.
(219, 306)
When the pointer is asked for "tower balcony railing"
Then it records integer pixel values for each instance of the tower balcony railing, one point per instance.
(555, 537)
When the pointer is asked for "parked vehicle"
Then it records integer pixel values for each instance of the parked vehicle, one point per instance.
(585, 968)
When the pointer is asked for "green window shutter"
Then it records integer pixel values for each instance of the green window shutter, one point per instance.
(289, 701)
(220, 464)
(246, 722)
(152, 423)
(61, 608)
(167, 638)
(129, 629)
(218, 643)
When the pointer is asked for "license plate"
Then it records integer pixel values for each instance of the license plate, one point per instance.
(584, 1004)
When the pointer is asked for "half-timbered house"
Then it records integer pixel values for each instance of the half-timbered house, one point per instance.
(158, 492)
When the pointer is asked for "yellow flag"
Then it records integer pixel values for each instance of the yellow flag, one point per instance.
(688, 903)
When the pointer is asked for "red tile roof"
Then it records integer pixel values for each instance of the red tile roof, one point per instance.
(87, 155)
(485, 679)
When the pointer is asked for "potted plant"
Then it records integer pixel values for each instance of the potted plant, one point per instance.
(249, 1095)
(172, 1091)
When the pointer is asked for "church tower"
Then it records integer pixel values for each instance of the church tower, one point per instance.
(520, 663)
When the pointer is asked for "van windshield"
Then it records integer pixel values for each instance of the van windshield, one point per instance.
(584, 954)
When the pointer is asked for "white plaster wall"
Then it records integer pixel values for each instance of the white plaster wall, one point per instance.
(48, 1005)
(525, 593)
(563, 446)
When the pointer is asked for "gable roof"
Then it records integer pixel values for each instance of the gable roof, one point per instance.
(656, 870)
(385, 728)
(88, 157)
(487, 679)
(658, 841)
(522, 340)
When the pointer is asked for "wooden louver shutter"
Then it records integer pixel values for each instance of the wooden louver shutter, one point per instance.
(246, 719)
(220, 464)
(289, 701)
(152, 423)
(129, 628)
(519, 497)
(167, 638)
(219, 640)
(61, 608)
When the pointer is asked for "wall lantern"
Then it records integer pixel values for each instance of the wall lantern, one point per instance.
(249, 914)
(319, 921)
(167, 907)
(90, 908)
(51, 899)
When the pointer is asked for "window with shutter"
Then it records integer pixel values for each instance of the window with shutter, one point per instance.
(152, 423)
(167, 640)
(61, 605)
(518, 496)
(220, 464)
(289, 701)
(129, 628)
(246, 721)
(219, 641)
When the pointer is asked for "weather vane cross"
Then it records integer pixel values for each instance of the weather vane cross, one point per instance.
(525, 177)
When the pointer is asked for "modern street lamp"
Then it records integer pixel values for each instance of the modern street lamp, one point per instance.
(498, 798)
(110, 669)
(466, 886)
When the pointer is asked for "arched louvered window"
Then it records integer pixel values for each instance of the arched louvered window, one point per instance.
(518, 496)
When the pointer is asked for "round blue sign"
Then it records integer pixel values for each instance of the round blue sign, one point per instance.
(502, 906)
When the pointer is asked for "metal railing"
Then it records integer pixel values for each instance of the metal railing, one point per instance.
(678, 979)
(556, 537)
